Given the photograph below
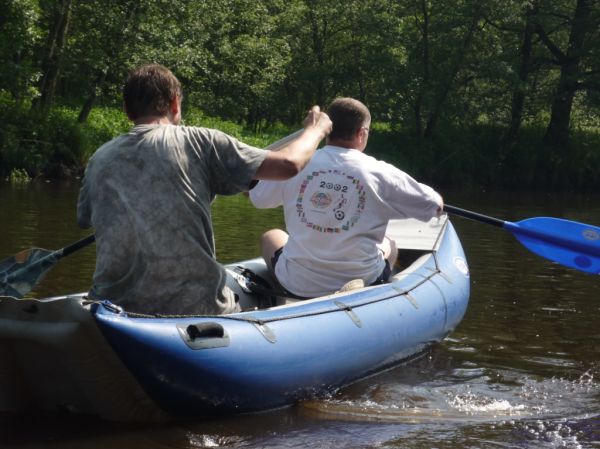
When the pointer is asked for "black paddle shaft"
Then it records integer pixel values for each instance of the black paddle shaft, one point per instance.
(75, 246)
(474, 216)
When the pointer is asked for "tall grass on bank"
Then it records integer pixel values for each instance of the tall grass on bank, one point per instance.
(52, 145)
(56, 146)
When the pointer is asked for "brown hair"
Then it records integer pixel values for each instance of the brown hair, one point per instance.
(348, 116)
(149, 90)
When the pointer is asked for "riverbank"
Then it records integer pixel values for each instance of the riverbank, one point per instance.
(56, 146)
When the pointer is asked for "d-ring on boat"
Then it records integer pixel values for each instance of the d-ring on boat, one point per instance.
(69, 353)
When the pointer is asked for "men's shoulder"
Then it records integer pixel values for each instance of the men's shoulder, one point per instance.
(208, 136)
(386, 172)
(115, 141)
(199, 130)
(105, 150)
(367, 161)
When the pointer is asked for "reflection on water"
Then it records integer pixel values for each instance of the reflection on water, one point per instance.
(521, 370)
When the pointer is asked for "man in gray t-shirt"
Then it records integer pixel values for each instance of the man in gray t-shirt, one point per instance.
(148, 192)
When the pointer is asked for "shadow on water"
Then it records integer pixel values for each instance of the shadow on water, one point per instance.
(520, 371)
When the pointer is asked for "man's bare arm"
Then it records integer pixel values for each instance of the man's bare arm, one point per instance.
(291, 159)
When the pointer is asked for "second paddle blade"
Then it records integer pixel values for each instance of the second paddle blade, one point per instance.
(21, 272)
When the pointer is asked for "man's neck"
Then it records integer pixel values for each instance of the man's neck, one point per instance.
(153, 120)
(342, 143)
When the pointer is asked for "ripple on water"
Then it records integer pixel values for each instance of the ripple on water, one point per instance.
(553, 434)
(488, 398)
(552, 361)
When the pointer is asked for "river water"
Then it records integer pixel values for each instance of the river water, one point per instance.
(521, 371)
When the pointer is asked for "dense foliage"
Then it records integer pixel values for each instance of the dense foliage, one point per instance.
(481, 91)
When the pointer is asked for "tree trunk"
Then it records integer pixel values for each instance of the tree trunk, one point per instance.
(418, 106)
(557, 133)
(518, 97)
(444, 90)
(318, 40)
(91, 99)
(56, 46)
(113, 57)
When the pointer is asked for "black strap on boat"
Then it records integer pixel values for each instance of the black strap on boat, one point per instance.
(265, 330)
(346, 308)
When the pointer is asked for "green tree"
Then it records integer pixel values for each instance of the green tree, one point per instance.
(103, 35)
(58, 17)
(19, 35)
(569, 33)
(232, 57)
(523, 67)
(445, 45)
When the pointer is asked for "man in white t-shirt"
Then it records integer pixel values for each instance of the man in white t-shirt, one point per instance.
(337, 210)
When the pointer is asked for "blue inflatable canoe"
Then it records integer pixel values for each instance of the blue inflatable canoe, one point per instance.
(68, 353)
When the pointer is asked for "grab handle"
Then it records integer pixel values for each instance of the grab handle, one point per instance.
(204, 335)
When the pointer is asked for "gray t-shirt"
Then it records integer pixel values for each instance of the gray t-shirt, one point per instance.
(148, 193)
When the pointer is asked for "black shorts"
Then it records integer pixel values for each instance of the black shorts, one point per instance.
(385, 274)
(275, 258)
(286, 292)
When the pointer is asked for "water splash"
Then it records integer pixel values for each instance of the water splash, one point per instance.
(558, 399)
(473, 404)
(553, 434)
(509, 400)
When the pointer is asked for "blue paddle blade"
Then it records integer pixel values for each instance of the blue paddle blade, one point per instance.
(20, 273)
(575, 245)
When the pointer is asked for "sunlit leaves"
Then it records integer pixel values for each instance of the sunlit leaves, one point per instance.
(413, 62)
(19, 35)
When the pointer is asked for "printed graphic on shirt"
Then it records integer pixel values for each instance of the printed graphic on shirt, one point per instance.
(330, 201)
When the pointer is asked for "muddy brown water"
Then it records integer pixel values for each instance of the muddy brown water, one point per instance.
(521, 370)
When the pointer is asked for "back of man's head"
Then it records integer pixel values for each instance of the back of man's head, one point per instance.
(348, 116)
(149, 91)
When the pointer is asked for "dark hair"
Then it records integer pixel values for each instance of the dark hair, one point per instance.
(149, 90)
(348, 116)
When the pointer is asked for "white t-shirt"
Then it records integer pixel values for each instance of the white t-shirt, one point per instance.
(336, 212)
